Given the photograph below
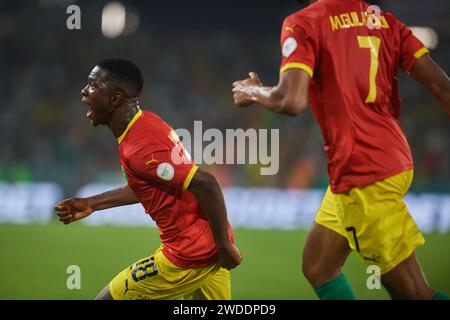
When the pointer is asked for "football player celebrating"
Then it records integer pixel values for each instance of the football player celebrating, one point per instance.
(185, 202)
(345, 55)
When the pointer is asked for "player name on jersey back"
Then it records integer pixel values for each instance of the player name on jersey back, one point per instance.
(354, 19)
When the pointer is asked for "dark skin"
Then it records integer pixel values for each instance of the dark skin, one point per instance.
(114, 105)
(326, 251)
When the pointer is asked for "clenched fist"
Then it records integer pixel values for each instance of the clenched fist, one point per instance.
(73, 209)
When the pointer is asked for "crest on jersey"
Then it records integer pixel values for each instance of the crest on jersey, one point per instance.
(165, 171)
(289, 46)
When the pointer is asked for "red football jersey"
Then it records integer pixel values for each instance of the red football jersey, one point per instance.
(353, 59)
(159, 171)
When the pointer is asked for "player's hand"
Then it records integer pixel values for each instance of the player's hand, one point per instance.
(230, 257)
(243, 90)
(73, 209)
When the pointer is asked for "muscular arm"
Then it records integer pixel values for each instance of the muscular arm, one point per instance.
(428, 74)
(74, 209)
(289, 97)
(209, 195)
(114, 198)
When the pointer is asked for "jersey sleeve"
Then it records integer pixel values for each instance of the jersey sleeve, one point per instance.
(411, 48)
(299, 45)
(163, 167)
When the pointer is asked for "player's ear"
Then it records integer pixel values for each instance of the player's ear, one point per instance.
(117, 99)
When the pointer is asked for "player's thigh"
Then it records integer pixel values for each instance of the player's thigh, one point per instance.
(324, 254)
(378, 225)
(104, 294)
(326, 247)
(407, 281)
(156, 278)
(136, 282)
(217, 287)
(328, 216)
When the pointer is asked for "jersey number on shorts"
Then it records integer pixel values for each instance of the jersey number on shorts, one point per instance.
(372, 43)
(143, 269)
(353, 231)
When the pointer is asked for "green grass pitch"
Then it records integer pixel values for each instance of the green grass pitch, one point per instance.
(34, 259)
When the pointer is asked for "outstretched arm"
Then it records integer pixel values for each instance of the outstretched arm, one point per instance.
(209, 195)
(73, 209)
(428, 74)
(288, 97)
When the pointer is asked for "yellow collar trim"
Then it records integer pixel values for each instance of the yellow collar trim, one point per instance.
(130, 124)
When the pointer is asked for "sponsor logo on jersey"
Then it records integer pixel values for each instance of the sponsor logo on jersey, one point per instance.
(151, 161)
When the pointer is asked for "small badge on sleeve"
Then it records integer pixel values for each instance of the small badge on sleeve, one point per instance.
(165, 171)
(289, 46)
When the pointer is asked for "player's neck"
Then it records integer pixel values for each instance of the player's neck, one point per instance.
(121, 118)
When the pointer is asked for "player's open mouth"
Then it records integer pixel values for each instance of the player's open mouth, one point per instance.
(90, 106)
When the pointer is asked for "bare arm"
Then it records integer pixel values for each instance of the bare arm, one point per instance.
(114, 198)
(74, 209)
(209, 195)
(428, 74)
(289, 97)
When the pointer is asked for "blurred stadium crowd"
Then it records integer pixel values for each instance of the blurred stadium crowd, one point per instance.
(189, 55)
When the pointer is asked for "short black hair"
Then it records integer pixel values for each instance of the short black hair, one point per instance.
(125, 72)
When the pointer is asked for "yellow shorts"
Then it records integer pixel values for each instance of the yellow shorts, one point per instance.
(375, 221)
(155, 277)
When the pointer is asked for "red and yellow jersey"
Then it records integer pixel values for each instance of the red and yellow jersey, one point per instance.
(159, 171)
(354, 91)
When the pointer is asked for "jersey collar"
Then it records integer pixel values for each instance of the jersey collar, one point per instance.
(130, 124)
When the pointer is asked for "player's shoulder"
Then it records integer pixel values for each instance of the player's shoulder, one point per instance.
(152, 123)
(307, 17)
(151, 116)
(152, 131)
(391, 19)
(314, 11)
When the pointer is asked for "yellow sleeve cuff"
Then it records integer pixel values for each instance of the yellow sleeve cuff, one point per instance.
(420, 53)
(296, 65)
(189, 177)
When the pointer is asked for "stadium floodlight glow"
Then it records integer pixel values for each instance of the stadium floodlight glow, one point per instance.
(113, 19)
(427, 35)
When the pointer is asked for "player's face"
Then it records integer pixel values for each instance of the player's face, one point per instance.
(96, 95)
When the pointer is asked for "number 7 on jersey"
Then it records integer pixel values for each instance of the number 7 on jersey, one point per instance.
(372, 43)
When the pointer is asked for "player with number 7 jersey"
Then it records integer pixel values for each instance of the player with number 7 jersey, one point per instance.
(354, 93)
(344, 55)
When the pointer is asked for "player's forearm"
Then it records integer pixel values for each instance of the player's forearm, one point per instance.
(432, 77)
(268, 97)
(280, 101)
(442, 94)
(113, 198)
(209, 195)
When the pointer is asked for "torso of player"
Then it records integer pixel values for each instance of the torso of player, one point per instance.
(152, 174)
(354, 92)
